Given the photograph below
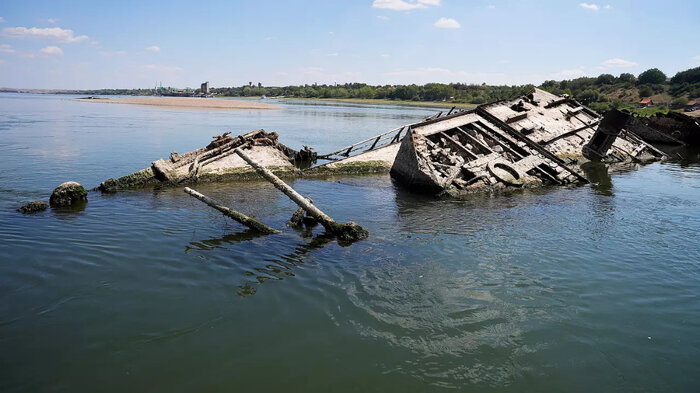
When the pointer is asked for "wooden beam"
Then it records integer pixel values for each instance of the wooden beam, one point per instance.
(347, 232)
(459, 145)
(228, 212)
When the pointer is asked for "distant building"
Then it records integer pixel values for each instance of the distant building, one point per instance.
(205, 88)
(645, 103)
(692, 106)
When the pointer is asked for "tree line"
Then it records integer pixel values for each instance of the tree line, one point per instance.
(601, 93)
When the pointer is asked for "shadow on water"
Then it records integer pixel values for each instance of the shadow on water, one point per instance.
(231, 239)
(70, 213)
(279, 268)
(601, 181)
(683, 155)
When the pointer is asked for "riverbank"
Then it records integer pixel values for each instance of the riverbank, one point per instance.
(185, 102)
(432, 104)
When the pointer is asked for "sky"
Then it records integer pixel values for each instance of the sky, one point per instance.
(57, 44)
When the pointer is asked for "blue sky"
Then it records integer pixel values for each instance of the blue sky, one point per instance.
(130, 44)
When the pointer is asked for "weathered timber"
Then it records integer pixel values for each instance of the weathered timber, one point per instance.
(300, 218)
(537, 147)
(228, 212)
(346, 232)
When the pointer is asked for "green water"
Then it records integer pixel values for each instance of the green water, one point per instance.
(594, 288)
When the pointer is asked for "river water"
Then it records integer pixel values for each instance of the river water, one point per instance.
(594, 288)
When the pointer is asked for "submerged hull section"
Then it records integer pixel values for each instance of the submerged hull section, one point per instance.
(214, 162)
(531, 141)
(467, 153)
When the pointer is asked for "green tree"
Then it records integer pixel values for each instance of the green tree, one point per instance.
(652, 76)
(605, 79)
(645, 91)
(626, 78)
(688, 76)
(588, 96)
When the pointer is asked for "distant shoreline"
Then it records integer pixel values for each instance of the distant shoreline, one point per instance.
(436, 104)
(184, 102)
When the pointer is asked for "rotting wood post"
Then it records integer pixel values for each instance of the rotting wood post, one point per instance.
(346, 232)
(300, 218)
(228, 212)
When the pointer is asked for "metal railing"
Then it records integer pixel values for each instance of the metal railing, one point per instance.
(377, 142)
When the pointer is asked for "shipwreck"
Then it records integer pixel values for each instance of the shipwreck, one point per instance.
(672, 128)
(534, 140)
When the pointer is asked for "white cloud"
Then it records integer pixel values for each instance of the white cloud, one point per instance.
(109, 53)
(592, 7)
(447, 23)
(332, 55)
(162, 68)
(404, 5)
(153, 48)
(491, 7)
(270, 38)
(382, 17)
(47, 33)
(52, 50)
(2, 61)
(385, 55)
(568, 74)
(2, 19)
(4, 48)
(52, 20)
(618, 63)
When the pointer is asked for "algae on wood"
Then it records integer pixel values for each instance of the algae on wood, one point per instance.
(346, 232)
(228, 212)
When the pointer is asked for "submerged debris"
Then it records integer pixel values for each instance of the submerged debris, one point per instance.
(215, 161)
(33, 207)
(68, 194)
(301, 218)
(526, 142)
(228, 212)
(533, 140)
(348, 232)
(672, 128)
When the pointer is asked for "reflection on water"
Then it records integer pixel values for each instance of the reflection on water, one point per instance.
(597, 174)
(546, 290)
(238, 237)
(279, 268)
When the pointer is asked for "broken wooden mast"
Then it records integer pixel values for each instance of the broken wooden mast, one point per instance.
(240, 217)
(348, 232)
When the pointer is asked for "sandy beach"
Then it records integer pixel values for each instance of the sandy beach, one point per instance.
(185, 102)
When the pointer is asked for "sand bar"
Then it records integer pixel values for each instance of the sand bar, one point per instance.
(185, 102)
